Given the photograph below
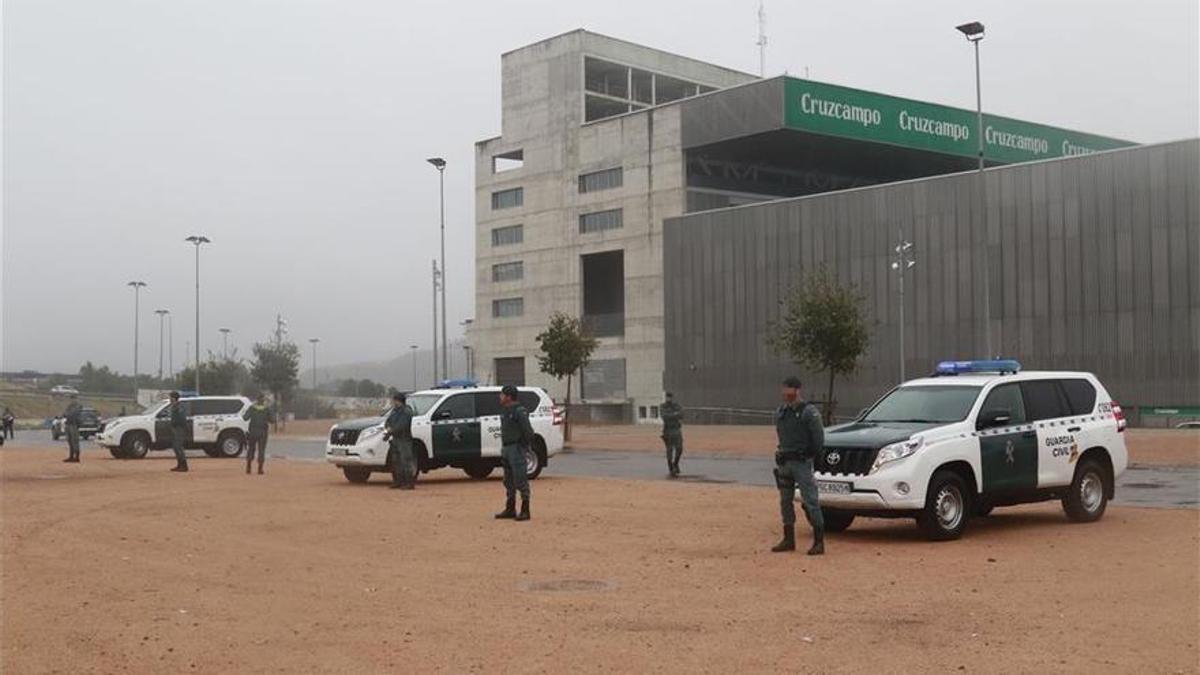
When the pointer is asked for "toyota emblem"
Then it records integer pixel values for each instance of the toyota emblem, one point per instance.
(833, 457)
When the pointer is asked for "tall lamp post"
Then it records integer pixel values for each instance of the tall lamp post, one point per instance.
(198, 241)
(313, 342)
(468, 352)
(162, 313)
(436, 281)
(974, 34)
(171, 345)
(137, 288)
(903, 262)
(225, 342)
(440, 165)
(412, 353)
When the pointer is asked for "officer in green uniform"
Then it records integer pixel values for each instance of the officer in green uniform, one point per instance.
(801, 436)
(515, 436)
(179, 424)
(71, 425)
(260, 418)
(400, 443)
(672, 432)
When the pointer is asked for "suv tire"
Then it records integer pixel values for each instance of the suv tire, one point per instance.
(230, 443)
(117, 453)
(836, 521)
(357, 474)
(135, 444)
(479, 470)
(1088, 498)
(947, 507)
(535, 459)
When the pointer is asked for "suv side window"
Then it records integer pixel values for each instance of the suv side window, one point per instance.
(1007, 397)
(1044, 400)
(1081, 396)
(459, 406)
(487, 404)
(529, 400)
(202, 407)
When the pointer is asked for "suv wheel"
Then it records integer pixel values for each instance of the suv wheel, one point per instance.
(836, 521)
(1088, 498)
(947, 507)
(117, 453)
(357, 474)
(535, 460)
(479, 470)
(135, 444)
(230, 443)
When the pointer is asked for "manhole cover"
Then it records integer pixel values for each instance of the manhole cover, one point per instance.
(570, 585)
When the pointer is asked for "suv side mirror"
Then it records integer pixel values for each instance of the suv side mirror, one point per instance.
(996, 417)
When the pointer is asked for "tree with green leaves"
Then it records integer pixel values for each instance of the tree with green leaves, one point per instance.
(218, 376)
(566, 347)
(823, 328)
(274, 368)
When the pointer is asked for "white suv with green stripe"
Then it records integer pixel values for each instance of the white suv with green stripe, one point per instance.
(459, 428)
(975, 435)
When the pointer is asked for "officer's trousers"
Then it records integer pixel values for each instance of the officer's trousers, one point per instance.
(512, 457)
(256, 444)
(796, 474)
(177, 435)
(72, 441)
(404, 466)
(673, 441)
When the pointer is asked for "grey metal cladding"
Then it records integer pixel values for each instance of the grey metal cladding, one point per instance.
(732, 113)
(1095, 266)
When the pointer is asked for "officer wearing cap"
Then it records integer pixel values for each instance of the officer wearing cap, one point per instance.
(400, 443)
(672, 432)
(71, 426)
(179, 424)
(801, 436)
(516, 435)
(260, 418)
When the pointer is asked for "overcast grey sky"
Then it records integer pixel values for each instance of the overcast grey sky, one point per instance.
(294, 134)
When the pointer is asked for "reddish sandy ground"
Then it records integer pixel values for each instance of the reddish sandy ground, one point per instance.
(118, 566)
(1164, 447)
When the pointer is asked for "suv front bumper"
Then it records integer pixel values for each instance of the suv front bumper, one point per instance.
(882, 491)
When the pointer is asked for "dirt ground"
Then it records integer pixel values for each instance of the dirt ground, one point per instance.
(112, 566)
(1162, 447)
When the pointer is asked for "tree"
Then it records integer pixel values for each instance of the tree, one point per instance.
(218, 377)
(363, 388)
(566, 347)
(274, 369)
(822, 328)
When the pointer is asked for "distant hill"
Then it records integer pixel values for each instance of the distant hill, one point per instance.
(397, 372)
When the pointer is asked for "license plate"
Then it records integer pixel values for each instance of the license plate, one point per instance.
(338, 452)
(834, 487)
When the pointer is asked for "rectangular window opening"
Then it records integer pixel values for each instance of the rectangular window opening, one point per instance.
(602, 180)
(604, 293)
(600, 221)
(509, 271)
(507, 199)
(508, 307)
(508, 161)
(508, 235)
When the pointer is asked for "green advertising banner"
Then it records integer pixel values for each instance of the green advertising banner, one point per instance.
(862, 115)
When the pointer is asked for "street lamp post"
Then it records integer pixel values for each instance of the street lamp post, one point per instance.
(468, 352)
(161, 314)
(973, 31)
(903, 262)
(436, 281)
(198, 240)
(171, 345)
(313, 342)
(225, 342)
(440, 165)
(412, 352)
(137, 288)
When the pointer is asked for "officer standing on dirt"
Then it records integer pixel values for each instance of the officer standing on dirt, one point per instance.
(400, 443)
(516, 435)
(8, 420)
(260, 418)
(672, 432)
(71, 425)
(801, 436)
(179, 424)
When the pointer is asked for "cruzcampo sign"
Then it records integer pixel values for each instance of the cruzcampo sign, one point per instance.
(862, 115)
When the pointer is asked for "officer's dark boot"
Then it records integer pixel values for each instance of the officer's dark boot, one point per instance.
(788, 543)
(260, 470)
(524, 514)
(818, 546)
(248, 462)
(510, 509)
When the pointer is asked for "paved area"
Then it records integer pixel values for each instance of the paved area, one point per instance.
(1141, 485)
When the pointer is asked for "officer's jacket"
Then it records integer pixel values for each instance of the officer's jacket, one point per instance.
(399, 423)
(799, 428)
(178, 418)
(71, 414)
(672, 416)
(259, 417)
(514, 426)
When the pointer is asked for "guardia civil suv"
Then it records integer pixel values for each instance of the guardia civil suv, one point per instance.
(459, 428)
(215, 425)
(973, 436)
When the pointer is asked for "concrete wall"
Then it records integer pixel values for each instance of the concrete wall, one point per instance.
(1094, 265)
(543, 116)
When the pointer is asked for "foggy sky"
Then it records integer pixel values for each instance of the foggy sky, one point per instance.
(294, 134)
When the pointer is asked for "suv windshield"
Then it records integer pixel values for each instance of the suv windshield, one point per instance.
(421, 403)
(926, 404)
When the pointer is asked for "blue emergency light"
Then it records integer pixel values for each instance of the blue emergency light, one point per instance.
(1001, 366)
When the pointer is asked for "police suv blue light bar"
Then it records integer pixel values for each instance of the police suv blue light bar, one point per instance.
(981, 366)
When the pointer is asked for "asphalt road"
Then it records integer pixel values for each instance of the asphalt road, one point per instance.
(1153, 486)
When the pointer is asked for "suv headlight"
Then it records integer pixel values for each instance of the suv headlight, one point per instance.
(897, 451)
(370, 432)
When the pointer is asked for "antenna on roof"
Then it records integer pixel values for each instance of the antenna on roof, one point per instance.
(762, 40)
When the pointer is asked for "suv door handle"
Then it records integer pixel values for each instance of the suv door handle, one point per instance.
(1074, 430)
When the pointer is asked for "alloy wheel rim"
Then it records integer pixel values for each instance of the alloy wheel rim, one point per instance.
(949, 507)
(1091, 492)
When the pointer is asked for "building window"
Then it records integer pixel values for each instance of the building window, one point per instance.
(654, 412)
(641, 412)
(508, 307)
(603, 379)
(600, 221)
(507, 236)
(509, 271)
(508, 161)
(507, 199)
(613, 89)
(510, 370)
(602, 180)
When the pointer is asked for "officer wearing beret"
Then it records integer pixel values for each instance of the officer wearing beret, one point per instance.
(400, 443)
(515, 436)
(801, 436)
